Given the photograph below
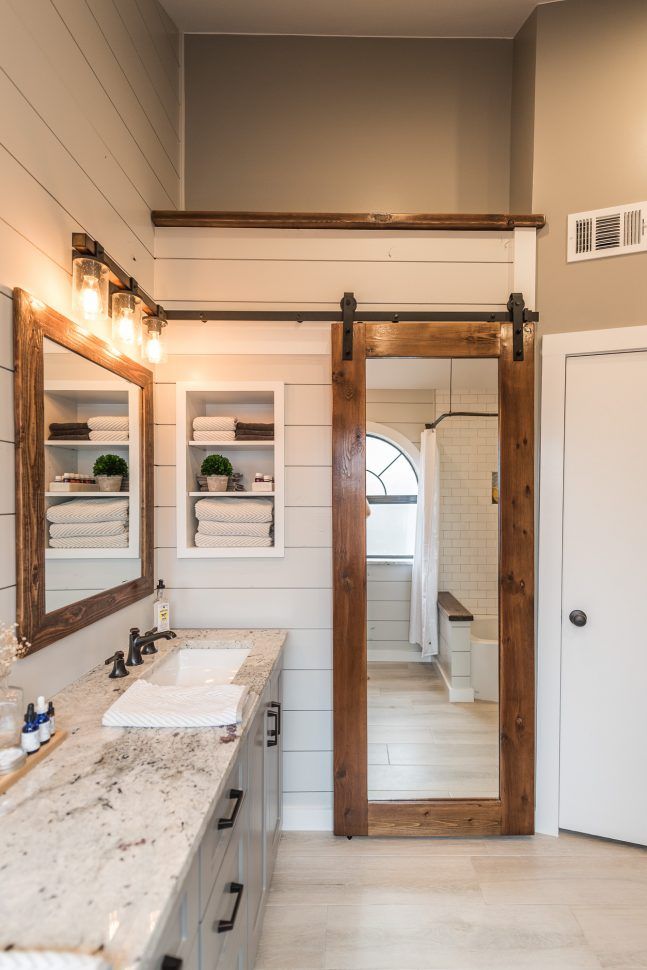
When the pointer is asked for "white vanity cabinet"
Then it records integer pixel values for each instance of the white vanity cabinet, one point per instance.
(217, 921)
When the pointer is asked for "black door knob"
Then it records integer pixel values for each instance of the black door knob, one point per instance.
(578, 618)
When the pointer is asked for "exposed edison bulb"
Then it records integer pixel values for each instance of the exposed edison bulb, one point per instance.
(90, 289)
(127, 321)
(126, 327)
(153, 344)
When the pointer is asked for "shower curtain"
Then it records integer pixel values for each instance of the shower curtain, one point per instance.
(423, 623)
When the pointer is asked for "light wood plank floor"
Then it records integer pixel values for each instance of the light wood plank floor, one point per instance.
(533, 903)
(421, 745)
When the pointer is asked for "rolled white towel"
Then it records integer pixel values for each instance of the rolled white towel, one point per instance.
(108, 436)
(234, 510)
(108, 423)
(154, 705)
(226, 542)
(50, 960)
(215, 422)
(91, 542)
(89, 510)
(214, 435)
(65, 531)
(208, 528)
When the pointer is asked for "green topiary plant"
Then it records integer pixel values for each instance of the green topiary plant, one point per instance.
(216, 465)
(110, 465)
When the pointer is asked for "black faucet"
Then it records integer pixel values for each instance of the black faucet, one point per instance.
(146, 640)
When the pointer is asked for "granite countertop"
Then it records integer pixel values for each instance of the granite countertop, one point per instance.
(96, 840)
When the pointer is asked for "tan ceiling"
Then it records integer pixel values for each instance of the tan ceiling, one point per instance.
(353, 18)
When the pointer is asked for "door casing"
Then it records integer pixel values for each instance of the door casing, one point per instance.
(513, 812)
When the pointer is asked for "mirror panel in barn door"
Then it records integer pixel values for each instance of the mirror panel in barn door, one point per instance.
(432, 560)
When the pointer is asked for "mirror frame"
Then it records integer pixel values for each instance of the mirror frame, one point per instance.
(33, 322)
(512, 813)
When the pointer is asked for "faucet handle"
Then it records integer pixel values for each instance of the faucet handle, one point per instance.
(119, 669)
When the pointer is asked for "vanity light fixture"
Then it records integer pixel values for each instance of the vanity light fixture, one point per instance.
(127, 320)
(154, 350)
(90, 277)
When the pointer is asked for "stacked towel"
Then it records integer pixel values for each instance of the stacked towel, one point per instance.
(69, 431)
(254, 431)
(214, 428)
(89, 524)
(154, 705)
(241, 522)
(108, 427)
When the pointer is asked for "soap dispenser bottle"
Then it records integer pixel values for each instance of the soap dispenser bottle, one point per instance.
(162, 611)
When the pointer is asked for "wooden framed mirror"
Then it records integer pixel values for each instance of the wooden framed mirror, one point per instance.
(81, 553)
(506, 807)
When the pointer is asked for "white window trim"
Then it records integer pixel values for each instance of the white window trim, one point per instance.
(390, 435)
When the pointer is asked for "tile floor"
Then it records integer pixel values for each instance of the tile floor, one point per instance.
(534, 903)
(421, 745)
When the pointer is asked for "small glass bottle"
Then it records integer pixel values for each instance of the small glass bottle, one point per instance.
(29, 739)
(161, 609)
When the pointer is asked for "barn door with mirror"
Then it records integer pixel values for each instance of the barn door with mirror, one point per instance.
(433, 552)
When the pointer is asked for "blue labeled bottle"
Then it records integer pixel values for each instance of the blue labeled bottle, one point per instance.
(42, 717)
(29, 740)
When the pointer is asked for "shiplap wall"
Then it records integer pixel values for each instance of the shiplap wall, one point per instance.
(89, 140)
(273, 270)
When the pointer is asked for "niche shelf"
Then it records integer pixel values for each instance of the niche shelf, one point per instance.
(70, 400)
(247, 401)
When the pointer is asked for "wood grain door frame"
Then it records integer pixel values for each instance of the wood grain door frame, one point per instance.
(33, 322)
(513, 812)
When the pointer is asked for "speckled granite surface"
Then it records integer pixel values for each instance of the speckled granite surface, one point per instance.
(96, 840)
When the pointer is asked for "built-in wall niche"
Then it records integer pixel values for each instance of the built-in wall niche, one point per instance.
(249, 402)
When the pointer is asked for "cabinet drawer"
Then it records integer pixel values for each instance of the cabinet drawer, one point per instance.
(180, 935)
(223, 931)
(224, 824)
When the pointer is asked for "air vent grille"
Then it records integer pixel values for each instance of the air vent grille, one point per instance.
(607, 232)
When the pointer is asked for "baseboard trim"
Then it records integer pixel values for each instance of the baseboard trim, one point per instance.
(297, 819)
(457, 695)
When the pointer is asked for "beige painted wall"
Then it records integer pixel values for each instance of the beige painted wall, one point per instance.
(522, 135)
(590, 151)
(306, 123)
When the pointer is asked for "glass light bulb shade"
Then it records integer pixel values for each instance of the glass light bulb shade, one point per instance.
(154, 347)
(90, 289)
(127, 322)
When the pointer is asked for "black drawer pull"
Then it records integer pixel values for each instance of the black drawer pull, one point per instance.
(273, 733)
(171, 963)
(228, 823)
(277, 706)
(226, 925)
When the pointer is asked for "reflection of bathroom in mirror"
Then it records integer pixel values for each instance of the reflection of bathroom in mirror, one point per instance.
(92, 528)
(432, 567)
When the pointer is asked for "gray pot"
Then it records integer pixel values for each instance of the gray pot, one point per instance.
(217, 483)
(109, 483)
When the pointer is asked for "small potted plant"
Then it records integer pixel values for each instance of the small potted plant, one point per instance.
(109, 471)
(217, 468)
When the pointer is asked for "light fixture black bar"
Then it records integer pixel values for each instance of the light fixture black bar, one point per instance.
(85, 245)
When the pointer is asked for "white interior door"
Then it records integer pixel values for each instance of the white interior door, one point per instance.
(603, 749)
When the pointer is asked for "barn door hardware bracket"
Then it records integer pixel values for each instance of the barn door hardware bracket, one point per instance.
(348, 306)
(518, 316)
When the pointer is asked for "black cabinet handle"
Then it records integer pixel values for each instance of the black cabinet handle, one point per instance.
(273, 733)
(578, 618)
(277, 706)
(226, 925)
(171, 963)
(228, 823)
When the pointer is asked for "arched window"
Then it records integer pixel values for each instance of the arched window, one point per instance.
(392, 493)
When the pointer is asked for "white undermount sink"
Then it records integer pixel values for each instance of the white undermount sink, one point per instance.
(189, 667)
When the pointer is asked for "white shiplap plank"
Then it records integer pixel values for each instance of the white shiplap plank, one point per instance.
(230, 340)
(216, 364)
(299, 569)
(164, 436)
(8, 612)
(164, 34)
(389, 591)
(307, 690)
(308, 486)
(290, 282)
(6, 408)
(164, 398)
(393, 610)
(307, 771)
(387, 630)
(238, 608)
(8, 545)
(389, 572)
(27, 267)
(324, 245)
(307, 730)
(163, 74)
(309, 445)
(6, 331)
(60, 55)
(308, 650)
(308, 404)
(7, 484)
(165, 486)
(308, 527)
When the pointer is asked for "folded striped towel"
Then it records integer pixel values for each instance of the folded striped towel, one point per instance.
(108, 436)
(88, 529)
(89, 510)
(214, 423)
(234, 510)
(108, 423)
(50, 960)
(154, 705)
(224, 542)
(214, 435)
(91, 542)
(208, 528)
